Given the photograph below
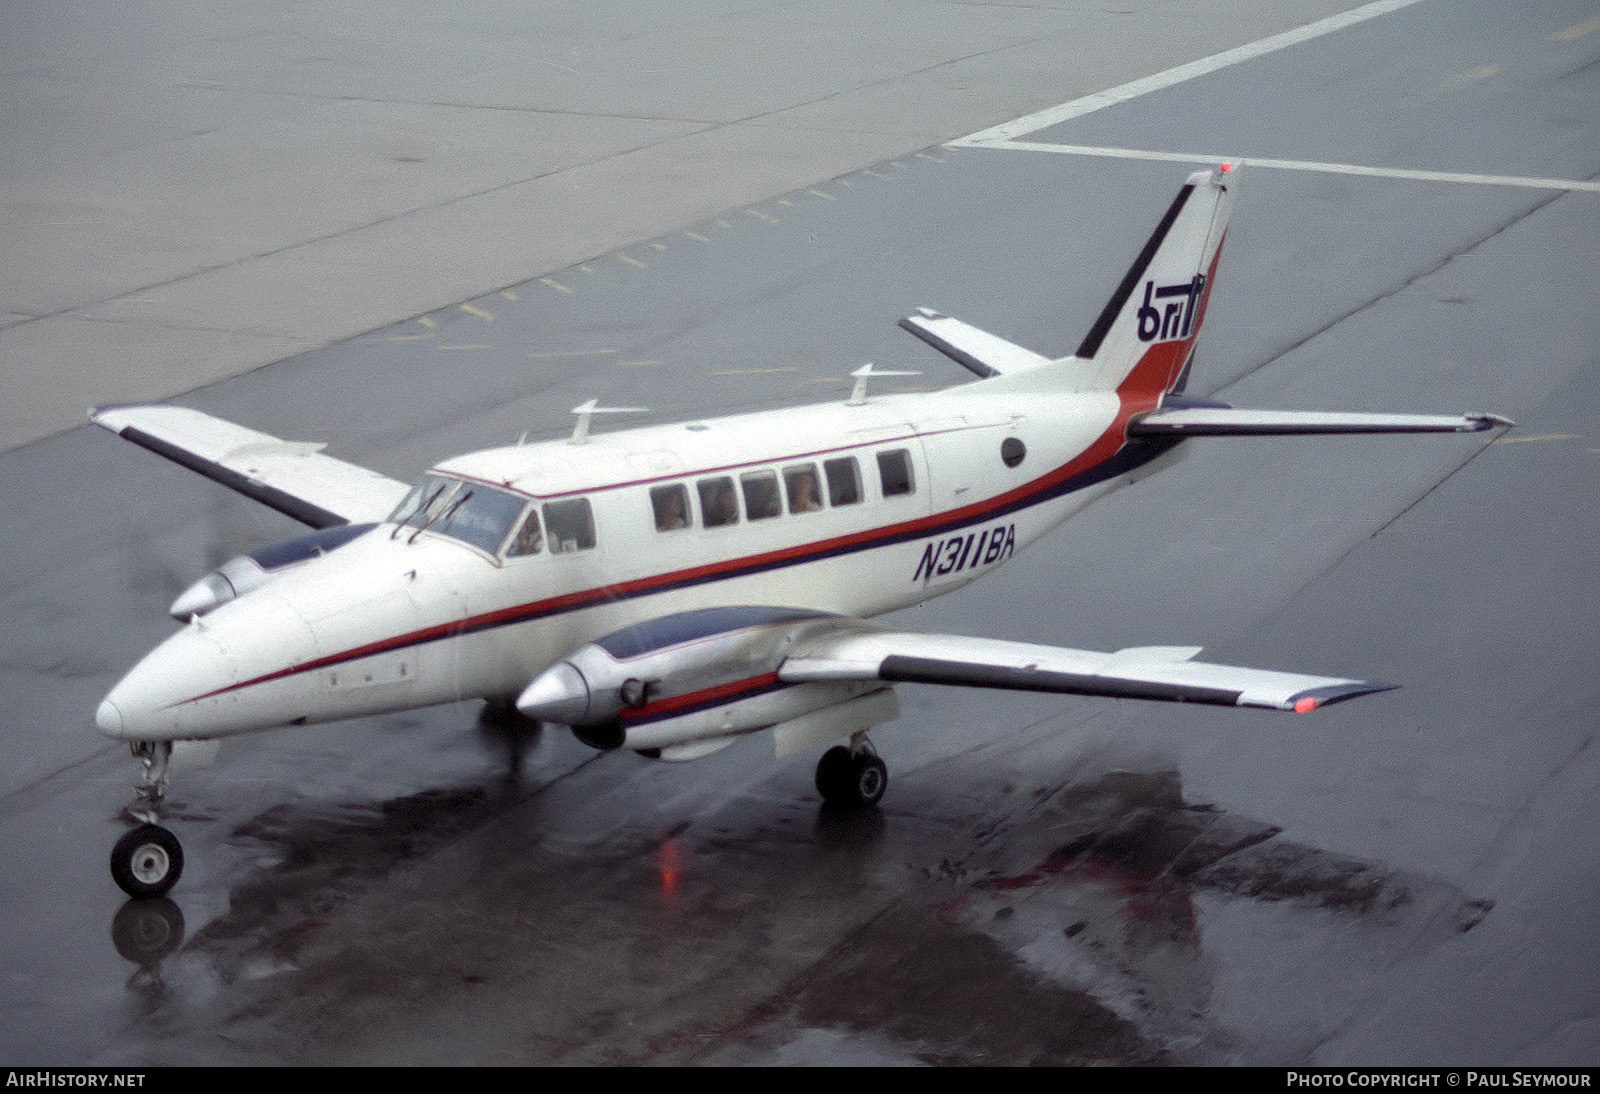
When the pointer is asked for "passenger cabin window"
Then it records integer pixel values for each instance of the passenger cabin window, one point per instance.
(844, 480)
(800, 483)
(894, 469)
(718, 503)
(570, 525)
(671, 505)
(760, 495)
(529, 538)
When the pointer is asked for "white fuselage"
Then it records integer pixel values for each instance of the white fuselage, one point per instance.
(408, 615)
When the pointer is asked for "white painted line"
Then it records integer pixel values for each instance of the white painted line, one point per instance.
(1102, 99)
(1583, 185)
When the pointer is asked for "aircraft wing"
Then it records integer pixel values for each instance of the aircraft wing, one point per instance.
(1143, 672)
(293, 477)
(1228, 421)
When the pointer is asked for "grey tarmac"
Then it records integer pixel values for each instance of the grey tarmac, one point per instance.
(1406, 879)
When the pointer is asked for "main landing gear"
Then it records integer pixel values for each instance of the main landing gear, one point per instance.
(147, 861)
(852, 776)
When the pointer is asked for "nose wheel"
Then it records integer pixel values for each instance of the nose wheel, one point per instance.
(853, 776)
(147, 861)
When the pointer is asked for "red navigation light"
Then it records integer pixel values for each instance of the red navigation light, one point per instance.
(1225, 167)
(1305, 704)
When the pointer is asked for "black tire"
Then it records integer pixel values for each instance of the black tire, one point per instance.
(855, 781)
(834, 775)
(147, 862)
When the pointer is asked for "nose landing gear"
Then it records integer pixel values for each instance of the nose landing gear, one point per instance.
(147, 861)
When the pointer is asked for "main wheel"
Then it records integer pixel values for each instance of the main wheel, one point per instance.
(833, 774)
(147, 861)
(843, 779)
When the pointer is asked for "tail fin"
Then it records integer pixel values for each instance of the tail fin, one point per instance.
(1142, 343)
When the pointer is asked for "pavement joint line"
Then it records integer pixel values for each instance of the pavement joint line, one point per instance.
(1577, 30)
(1575, 185)
(1088, 104)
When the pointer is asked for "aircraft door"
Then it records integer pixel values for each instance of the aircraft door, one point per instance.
(441, 612)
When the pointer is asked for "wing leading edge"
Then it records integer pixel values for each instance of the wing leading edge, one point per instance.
(292, 477)
(1144, 672)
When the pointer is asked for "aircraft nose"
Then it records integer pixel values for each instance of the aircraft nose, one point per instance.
(152, 702)
(109, 719)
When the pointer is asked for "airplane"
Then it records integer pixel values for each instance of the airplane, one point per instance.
(671, 588)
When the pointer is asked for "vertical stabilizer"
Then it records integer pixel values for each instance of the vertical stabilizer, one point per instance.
(1141, 344)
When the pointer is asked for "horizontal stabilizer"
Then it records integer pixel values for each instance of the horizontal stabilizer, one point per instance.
(293, 477)
(1239, 422)
(1146, 672)
(975, 350)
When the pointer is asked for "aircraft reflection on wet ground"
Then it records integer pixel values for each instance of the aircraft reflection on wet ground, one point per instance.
(1069, 930)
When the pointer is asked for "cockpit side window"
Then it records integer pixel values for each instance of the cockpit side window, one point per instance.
(529, 539)
(570, 525)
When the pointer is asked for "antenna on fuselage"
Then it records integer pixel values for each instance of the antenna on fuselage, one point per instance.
(865, 373)
(580, 431)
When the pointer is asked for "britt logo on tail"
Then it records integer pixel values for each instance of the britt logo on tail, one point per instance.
(1174, 320)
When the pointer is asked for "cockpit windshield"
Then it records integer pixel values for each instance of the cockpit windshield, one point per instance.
(469, 511)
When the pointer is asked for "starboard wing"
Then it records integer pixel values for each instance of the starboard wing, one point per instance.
(1228, 421)
(293, 477)
(1145, 672)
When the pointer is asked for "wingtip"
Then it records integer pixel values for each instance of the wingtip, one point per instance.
(97, 414)
(1314, 698)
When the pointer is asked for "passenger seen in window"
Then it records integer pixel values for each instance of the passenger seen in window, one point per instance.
(718, 503)
(801, 483)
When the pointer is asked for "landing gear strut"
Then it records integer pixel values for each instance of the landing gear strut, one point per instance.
(147, 861)
(852, 776)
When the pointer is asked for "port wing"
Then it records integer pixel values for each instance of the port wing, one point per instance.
(293, 477)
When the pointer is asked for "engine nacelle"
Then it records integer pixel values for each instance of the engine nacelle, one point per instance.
(239, 575)
(690, 677)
